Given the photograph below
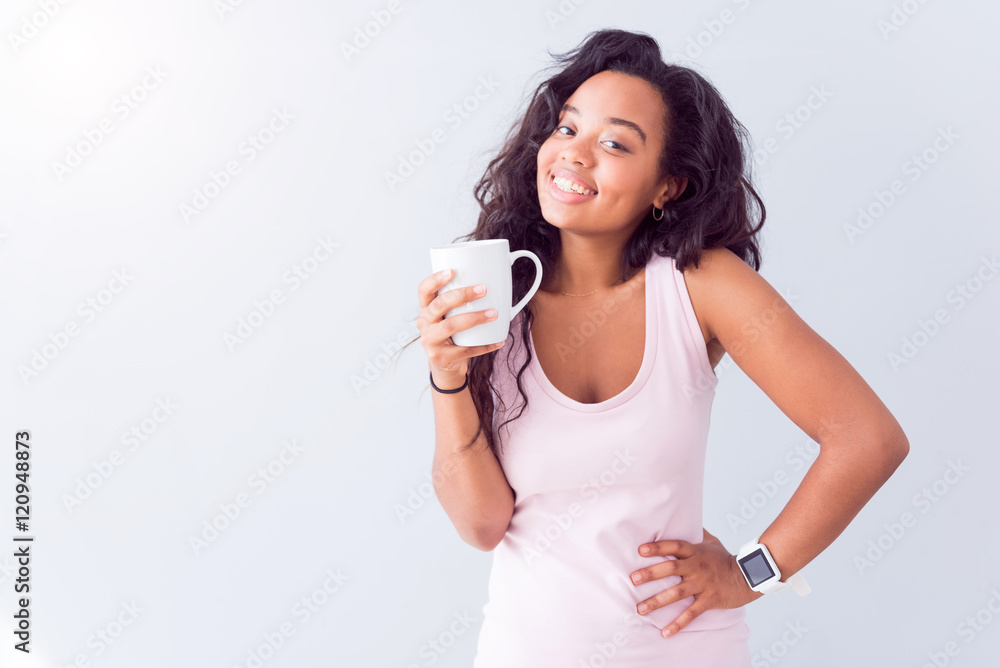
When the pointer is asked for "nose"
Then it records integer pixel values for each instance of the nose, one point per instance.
(575, 151)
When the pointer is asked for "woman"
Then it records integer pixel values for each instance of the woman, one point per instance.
(627, 177)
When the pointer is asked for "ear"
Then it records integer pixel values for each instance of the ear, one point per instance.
(673, 189)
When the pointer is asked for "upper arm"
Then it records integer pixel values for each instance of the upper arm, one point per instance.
(795, 367)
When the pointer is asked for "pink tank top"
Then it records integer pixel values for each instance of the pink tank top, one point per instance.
(594, 481)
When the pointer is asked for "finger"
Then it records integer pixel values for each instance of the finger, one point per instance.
(662, 548)
(448, 327)
(463, 352)
(657, 571)
(427, 289)
(446, 301)
(451, 353)
(683, 619)
(454, 353)
(676, 593)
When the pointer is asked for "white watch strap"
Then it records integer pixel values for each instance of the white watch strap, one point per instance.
(799, 584)
(772, 587)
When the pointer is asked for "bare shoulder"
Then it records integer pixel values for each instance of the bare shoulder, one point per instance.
(799, 370)
(723, 283)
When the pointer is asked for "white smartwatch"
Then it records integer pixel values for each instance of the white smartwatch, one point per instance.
(762, 573)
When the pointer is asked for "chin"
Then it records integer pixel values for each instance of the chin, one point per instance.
(560, 221)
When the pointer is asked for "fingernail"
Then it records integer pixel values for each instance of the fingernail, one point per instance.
(443, 273)
(479, 289)
(666, 632)
(644, 549)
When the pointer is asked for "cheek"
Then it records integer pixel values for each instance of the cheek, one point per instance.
(624, 188)
(546, 153)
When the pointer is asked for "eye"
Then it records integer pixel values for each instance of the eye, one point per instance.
(616, 147)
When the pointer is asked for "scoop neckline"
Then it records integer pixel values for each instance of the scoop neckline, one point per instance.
(651, 295)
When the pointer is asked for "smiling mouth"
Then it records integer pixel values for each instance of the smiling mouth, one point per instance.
(568, 186)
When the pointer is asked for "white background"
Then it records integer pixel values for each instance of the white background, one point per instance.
(314, 372)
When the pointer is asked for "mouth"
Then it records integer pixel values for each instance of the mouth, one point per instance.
(571, 186)
(568, 191)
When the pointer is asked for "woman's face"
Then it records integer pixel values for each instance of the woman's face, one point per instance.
(608, 140)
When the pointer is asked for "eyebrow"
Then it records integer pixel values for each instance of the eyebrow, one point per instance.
(612, 120)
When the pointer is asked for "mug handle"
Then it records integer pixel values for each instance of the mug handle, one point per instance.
(516, 255)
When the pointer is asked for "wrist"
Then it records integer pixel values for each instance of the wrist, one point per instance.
(449, 380)
(762, 573)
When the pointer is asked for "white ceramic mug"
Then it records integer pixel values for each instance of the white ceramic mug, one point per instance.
(487, 262)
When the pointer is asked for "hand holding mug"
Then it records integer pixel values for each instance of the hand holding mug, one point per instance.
(452, 329)
(448, 361)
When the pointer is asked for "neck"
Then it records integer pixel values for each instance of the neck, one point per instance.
(582, 269)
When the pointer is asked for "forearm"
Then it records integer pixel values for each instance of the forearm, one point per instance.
(836, 487)
(469, 482)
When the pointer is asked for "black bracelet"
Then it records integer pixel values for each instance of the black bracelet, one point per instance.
(450, 391)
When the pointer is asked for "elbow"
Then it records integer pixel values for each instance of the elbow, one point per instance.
(899, 444)
(487, 538)
(904, 447)
(896, 447)
(488, 541)
(879, 453)
(492, 527)
(485, 544)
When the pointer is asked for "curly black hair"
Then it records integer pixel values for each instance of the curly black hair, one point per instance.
(704, 143)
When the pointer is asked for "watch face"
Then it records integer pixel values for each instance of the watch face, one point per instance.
(756, 567)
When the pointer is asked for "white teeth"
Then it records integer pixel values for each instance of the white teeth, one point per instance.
(569, 186)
